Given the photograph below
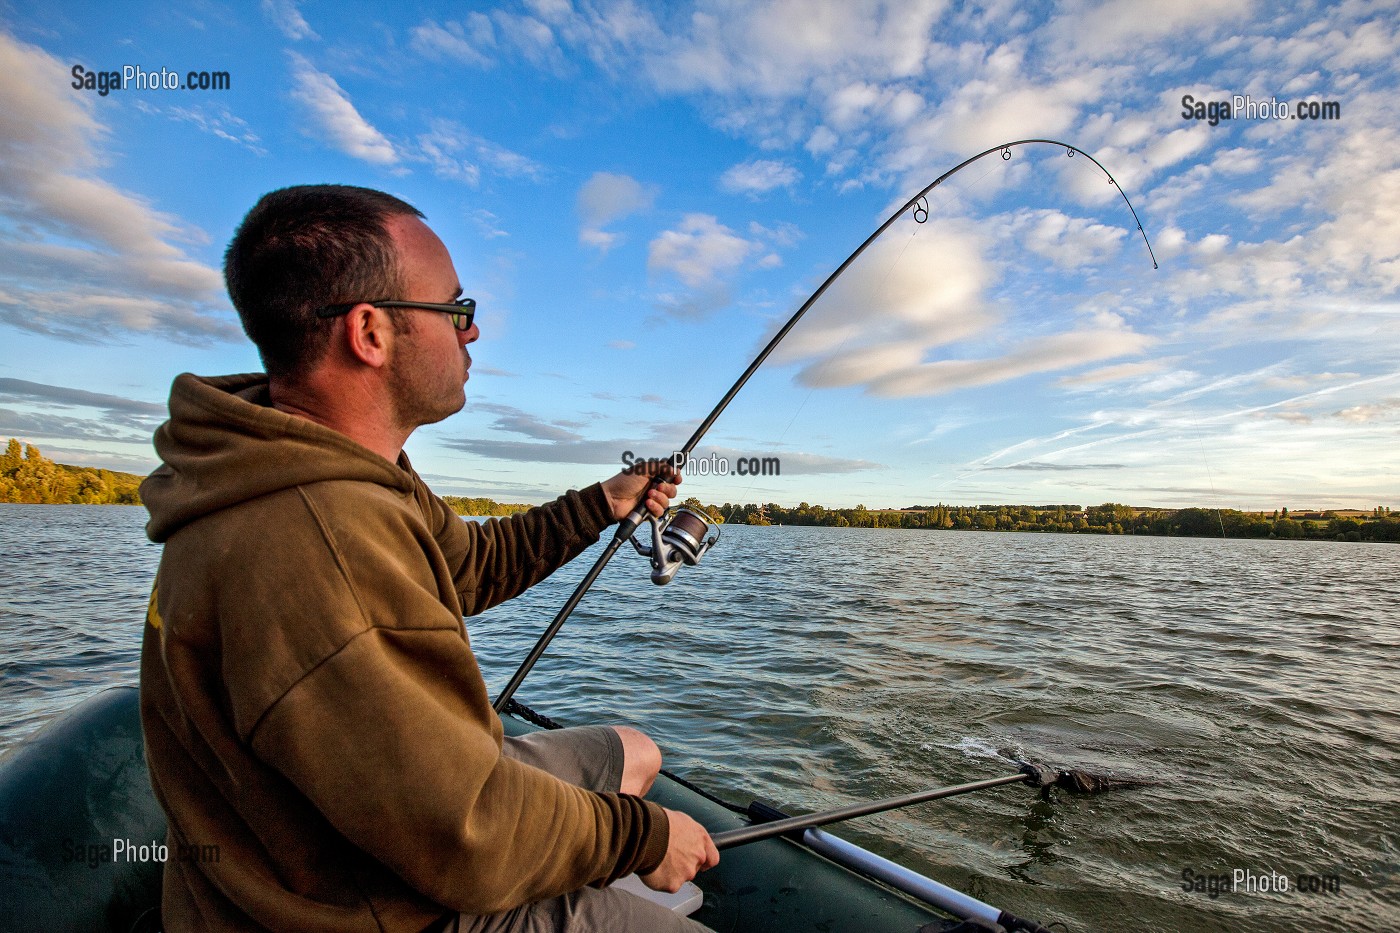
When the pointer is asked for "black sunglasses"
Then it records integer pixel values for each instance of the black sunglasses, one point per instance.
(462, 310)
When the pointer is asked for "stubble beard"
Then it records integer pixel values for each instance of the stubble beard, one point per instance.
(421, 391)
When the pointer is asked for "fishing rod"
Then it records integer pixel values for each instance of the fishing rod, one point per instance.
(757, 832)
(773, 823)
(768, 822)
(674, 545)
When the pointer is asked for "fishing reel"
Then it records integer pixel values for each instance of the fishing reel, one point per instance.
(679, 537)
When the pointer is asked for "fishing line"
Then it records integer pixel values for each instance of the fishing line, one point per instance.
(920, 214)
(1210, 479)
(837, 352)
(668, 553)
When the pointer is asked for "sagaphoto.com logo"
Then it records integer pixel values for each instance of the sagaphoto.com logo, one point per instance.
(134, 77)
(712, 464)
(1245, 107)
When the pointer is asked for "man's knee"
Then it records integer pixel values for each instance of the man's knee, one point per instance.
(641, 760)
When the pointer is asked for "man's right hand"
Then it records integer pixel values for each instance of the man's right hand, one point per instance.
(689, 852)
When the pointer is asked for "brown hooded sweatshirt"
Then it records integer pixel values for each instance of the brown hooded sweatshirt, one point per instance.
(311, 704)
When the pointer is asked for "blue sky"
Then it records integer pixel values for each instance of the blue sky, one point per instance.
(638, 195)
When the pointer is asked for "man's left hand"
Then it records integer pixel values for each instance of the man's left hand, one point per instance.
(623, 489)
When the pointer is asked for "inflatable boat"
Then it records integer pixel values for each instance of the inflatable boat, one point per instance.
(82, 846)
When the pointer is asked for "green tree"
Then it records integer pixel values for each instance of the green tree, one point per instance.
(14, 456)
(1344, 529)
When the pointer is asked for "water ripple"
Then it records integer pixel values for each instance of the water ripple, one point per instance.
(816, 666)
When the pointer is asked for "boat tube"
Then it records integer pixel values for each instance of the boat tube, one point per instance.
(82, 844)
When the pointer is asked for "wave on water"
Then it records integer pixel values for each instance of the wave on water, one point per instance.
(975, 746)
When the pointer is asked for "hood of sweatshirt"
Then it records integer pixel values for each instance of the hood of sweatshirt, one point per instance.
(225, 444)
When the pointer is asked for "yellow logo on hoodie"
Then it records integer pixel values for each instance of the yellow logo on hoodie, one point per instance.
(152, 613)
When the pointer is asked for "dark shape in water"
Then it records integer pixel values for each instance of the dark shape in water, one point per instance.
(1076, 781)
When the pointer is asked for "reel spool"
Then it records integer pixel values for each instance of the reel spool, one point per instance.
(678, 538)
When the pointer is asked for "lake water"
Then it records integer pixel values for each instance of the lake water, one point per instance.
(815, 667)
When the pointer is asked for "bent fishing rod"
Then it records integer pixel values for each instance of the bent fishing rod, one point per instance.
(682, 540)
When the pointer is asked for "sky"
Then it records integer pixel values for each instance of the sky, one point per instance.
(639, 195)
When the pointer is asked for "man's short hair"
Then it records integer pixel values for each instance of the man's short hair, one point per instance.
(301, 249)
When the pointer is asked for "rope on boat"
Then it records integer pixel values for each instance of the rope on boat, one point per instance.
(516, 708)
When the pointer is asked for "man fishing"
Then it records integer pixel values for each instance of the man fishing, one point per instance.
(311, 704)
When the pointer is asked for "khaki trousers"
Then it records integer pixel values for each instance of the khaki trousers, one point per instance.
(591, 757)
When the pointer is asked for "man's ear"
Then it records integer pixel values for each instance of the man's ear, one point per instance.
(368, 333)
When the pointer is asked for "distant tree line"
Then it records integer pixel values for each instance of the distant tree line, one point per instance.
(480, 506)
(1111, 518)
(26, 475)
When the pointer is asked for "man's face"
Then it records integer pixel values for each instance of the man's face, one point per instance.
(428, 372)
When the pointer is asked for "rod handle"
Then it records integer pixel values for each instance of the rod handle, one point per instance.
(628, 525)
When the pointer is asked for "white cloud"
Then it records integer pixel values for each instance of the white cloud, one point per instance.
(508, 163)
(216, 121)
(286, 17)
(1069, 242)
(850, 105)
(904, 295)
(1384, 410)
(486, 223)
(1116, 373)
(1205, 443)
(1239, 161)
(781, 48)
(607, 197)
(600, 240)
(337, 117)
(466, 40)
(446, 158)
(822, 140)
(1125, 26)
(860, 103)
(895, 371)
(455, 152)
(531, 37)
(1133, 166)
(1006, 105)
(880, 325)
(780, 235)
(1275, 240)
(752, 60)
(81, 258)
(699, 251)
(758, 176)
